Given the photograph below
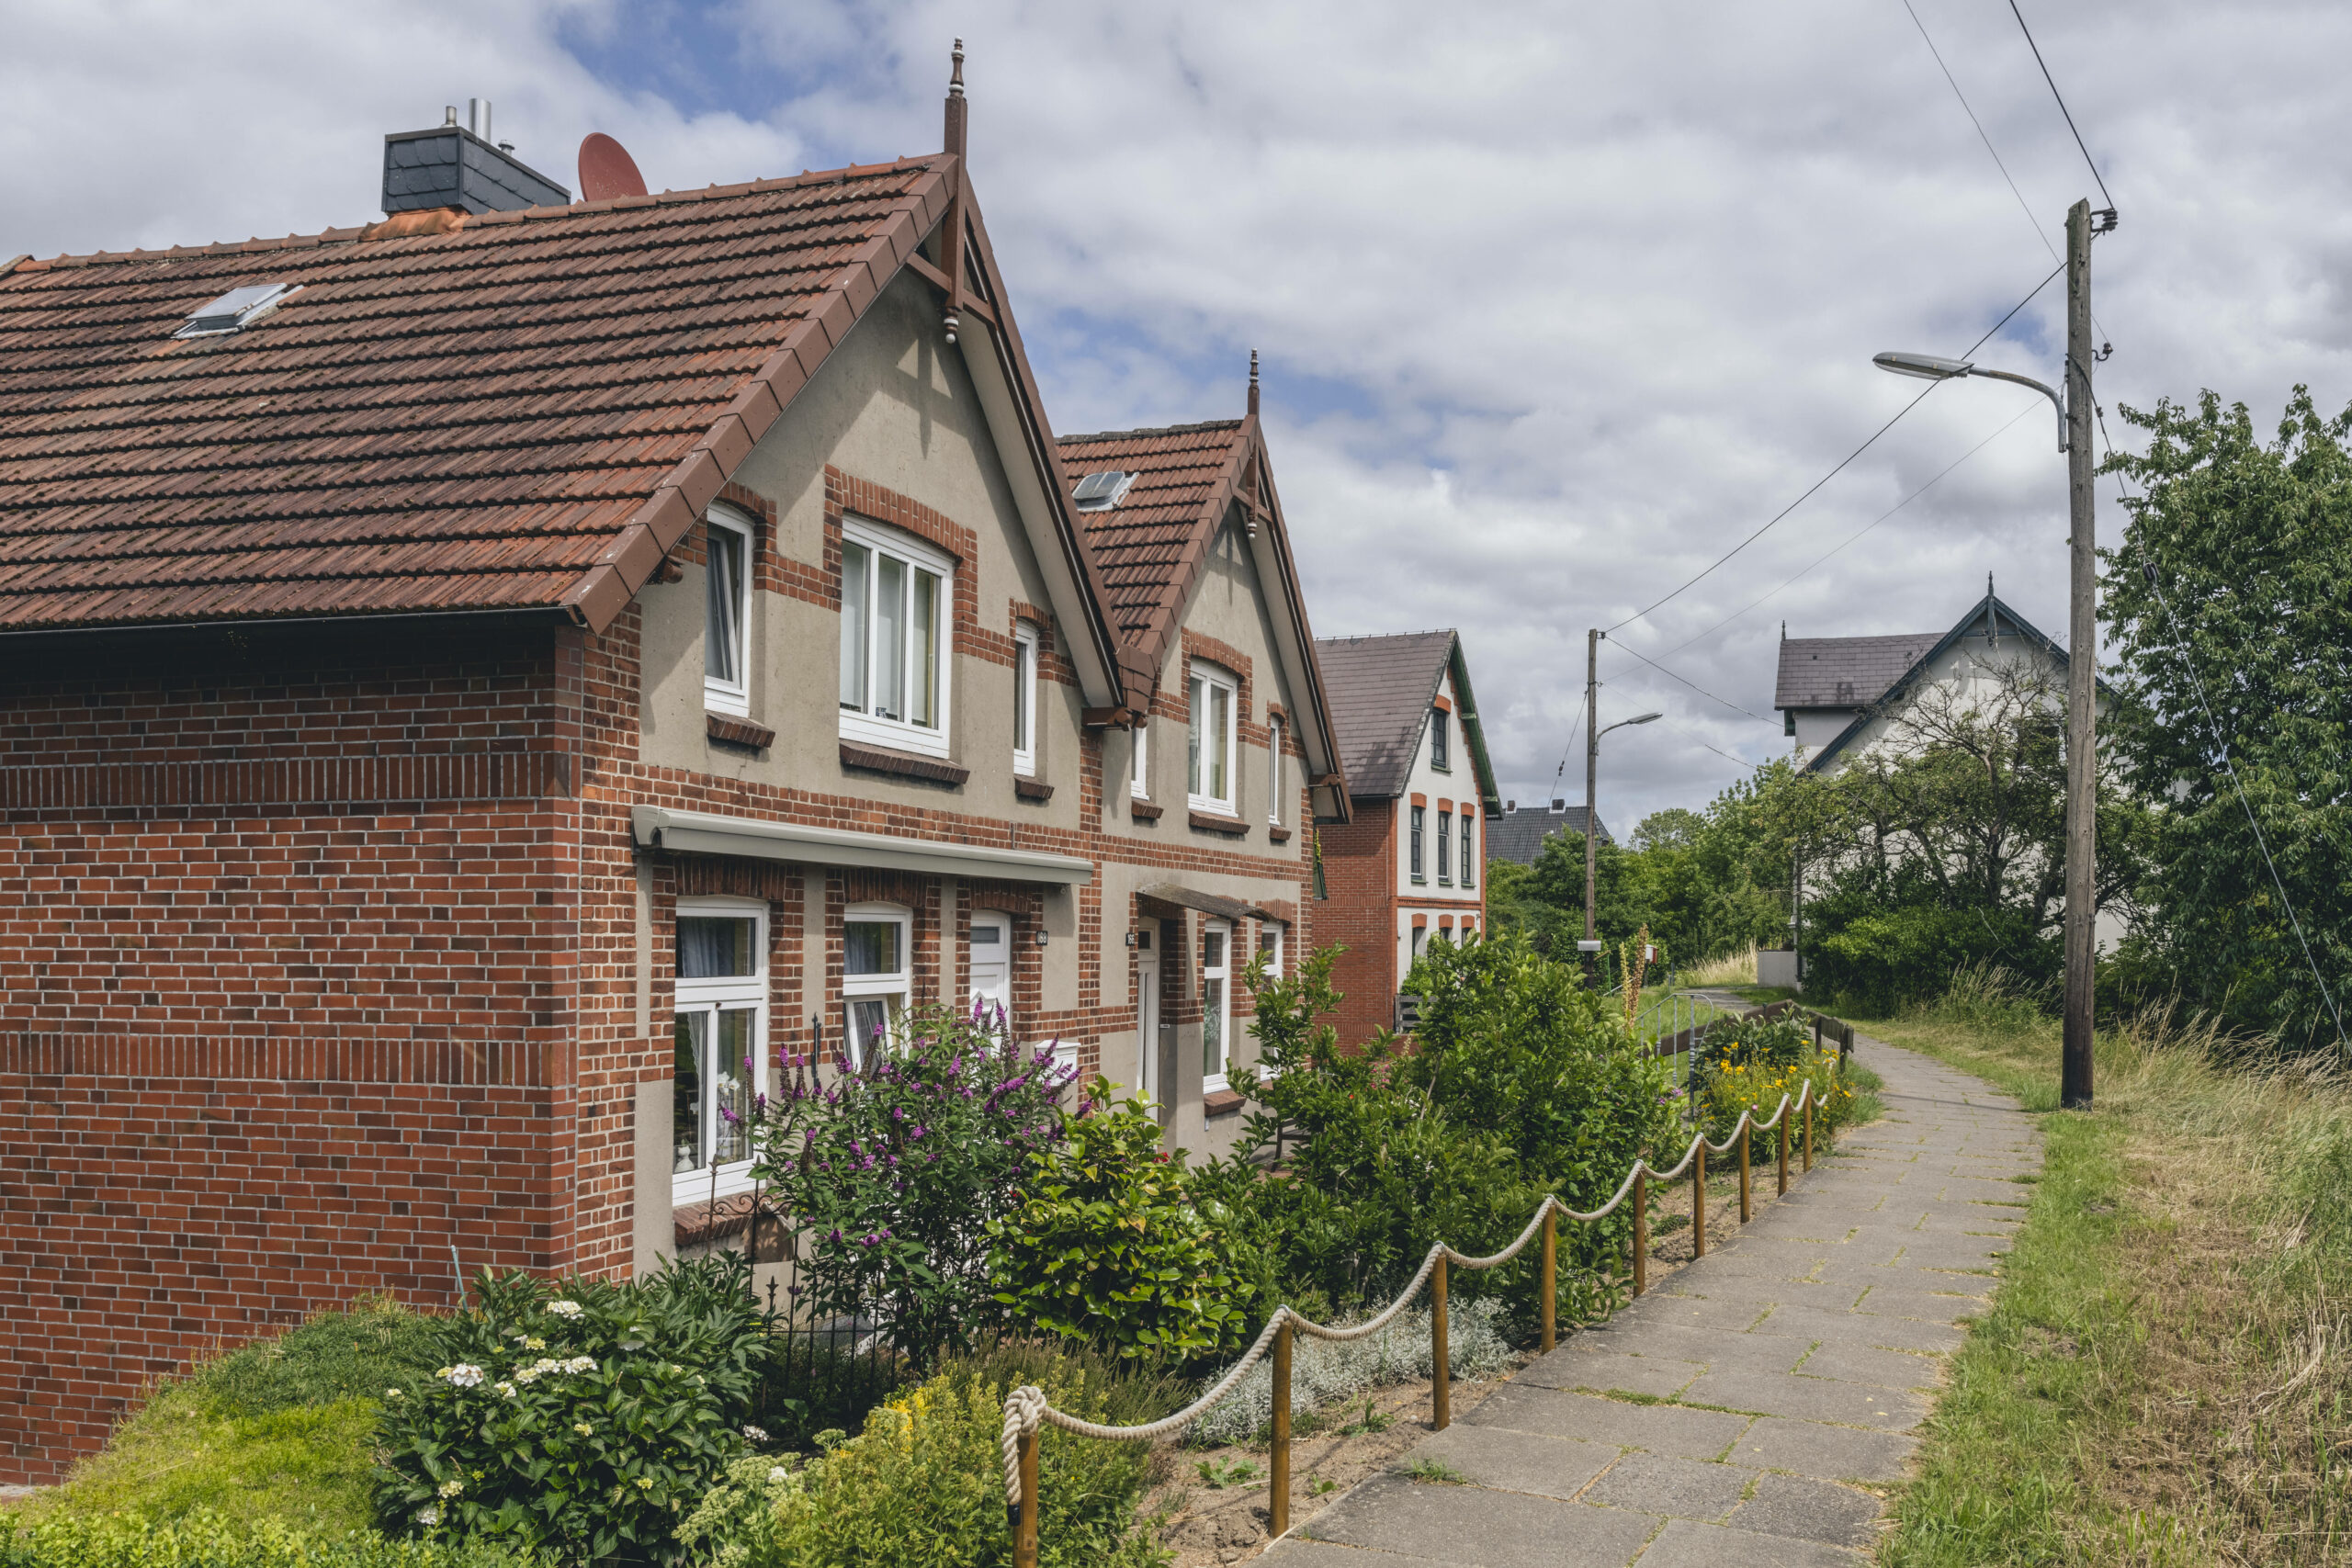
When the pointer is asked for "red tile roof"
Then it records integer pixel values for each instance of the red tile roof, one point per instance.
(1143, 546)
(523, 412)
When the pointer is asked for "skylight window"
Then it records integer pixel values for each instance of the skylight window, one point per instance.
(1100, 492)
(238, 309)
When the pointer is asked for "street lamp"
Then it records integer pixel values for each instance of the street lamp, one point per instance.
(1592, 943)
(2082, 657)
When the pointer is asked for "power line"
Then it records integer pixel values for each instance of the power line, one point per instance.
(2022, 205)
(1849, 538)
(1692, 685)
(1833, 473)
(1693, 736)
(2062, 100)
(1564, 755)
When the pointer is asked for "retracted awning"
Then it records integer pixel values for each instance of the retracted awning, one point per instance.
(1214, 904)
(706, 833)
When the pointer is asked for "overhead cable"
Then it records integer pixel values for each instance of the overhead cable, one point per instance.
(2062, 101)
(1694, 685)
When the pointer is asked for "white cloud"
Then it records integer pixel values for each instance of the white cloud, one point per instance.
(1556, 304)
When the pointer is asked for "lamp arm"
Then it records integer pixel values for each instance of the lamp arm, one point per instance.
(2055, 401)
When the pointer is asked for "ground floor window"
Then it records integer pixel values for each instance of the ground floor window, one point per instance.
(878, 977)
(718, 1037)
(1217, 1003)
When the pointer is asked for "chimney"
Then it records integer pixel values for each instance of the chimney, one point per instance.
(1558, 804)
(1510, 806)
(458, 167)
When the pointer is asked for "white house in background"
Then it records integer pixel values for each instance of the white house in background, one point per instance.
(1842, 695)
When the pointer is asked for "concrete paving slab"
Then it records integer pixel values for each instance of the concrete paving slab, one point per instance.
(1875, 1329)
(1514, 1462)
(1824, 1453)
(1297, 1551)
(1681, 1488)
(1867, 1363)
(1658, 1429)
(1661, 1376)
(1683, 1544)
(1474, 1526)
(1813, 1399)
(1810, 1510)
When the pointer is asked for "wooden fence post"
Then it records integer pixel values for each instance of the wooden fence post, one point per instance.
(1808, 1132)
(1784, 1154)
(1699, 1200)
(1278, 1501)
(1440, 1364)
(1024, 1534)
(1641, 1230)
(1551, 1285)
(1746, 1207)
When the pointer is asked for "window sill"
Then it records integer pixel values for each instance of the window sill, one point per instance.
(903, 765)
(1221, 1102)
(1278, 835)
(1231, 827)
(1030, 789)
(1145, 811)
(728, 730)
(1421, 881)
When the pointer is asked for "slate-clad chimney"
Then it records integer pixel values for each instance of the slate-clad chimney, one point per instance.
(452, 167)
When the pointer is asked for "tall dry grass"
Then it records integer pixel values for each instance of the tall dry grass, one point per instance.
(1733, 968)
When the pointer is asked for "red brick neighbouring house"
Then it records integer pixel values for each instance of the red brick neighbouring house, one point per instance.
(1408, 868)
(450, 706)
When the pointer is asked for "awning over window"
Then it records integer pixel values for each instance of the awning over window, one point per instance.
(1214, 904)
(705, 833)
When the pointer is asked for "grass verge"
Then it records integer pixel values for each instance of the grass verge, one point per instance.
(2161, 1379)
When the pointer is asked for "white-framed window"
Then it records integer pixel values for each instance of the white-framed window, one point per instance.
(1138, 762)
(1274, 771)
(1025, 699)
(726, 613)
(1420, 941)
(1440, 739)
(719, 1036)
(1469, 849)
(897, 602)
(1208, 767)
(877, 976)
(1445, 847)
(1216, 1004)
(1270, 935)
(1413, 843)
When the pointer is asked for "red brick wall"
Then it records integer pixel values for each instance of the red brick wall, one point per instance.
(271, 1035)
(1360, 874)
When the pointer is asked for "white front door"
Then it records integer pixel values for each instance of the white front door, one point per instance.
(992, 961)
(1146, 1024)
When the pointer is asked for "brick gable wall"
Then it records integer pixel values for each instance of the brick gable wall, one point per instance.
(1359, 873)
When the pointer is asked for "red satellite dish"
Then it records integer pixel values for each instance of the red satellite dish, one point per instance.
(606, 170)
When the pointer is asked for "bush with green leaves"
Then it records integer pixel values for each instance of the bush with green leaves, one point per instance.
(893, 1170)
(584, 1417)
(922, 1487)
(1113, 1247)
(1749, 1064)
(1325, 1372)
(204, 1540)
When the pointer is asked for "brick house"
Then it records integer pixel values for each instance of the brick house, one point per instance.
(1407, 869)
(420, 788)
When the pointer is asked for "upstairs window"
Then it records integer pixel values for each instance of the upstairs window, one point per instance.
(1445, 846)
(1025, 700)
(1413, 846)
(1209, 772)
(726, 612)
(1138, 762)
(896, 598)
(1274, 771)
(1469, 849)
(1440, 739)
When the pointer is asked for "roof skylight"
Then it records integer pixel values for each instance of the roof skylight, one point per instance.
(238, 309)
(1100, 492)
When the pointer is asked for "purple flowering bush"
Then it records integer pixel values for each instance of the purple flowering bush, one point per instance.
(892, 1172)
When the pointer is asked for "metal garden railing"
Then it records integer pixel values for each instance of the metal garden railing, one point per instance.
(1026, 1410)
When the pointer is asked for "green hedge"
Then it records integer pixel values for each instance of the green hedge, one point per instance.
(211, 1540)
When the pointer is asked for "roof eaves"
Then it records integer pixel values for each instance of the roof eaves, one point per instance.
(1253, 441)
(1474, 727)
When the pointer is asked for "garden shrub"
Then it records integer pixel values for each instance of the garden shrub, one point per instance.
(893, 1171)
(204, 1539)
(1325, 1371)
(584, 1417)
(922, 1487)
(1113, 1248)
(1749, 1064)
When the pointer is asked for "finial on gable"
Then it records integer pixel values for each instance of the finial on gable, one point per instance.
(955, 80)
(1253, 380)
(957, 106)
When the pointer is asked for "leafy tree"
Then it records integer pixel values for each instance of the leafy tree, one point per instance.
(2229, 602)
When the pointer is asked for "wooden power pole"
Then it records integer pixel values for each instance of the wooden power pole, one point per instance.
(1592, 767)
(2082, 672)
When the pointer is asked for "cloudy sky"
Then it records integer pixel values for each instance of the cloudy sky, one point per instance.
(1557, 304)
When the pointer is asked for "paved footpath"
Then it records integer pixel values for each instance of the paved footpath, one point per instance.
(1771, 1382)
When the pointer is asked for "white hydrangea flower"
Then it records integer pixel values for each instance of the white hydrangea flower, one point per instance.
(754, 1433)
(535, 1343)
(779, 1473)
(428, 1517)
(565, 1308)
(452, 1487)
(394, 1393)
(507, 1389)
(581, 1364)
(465, 1374)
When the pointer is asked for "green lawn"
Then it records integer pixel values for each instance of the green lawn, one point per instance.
(2163, 1378)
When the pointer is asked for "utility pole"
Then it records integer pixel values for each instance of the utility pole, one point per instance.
(1592, 767)
(2082, 671)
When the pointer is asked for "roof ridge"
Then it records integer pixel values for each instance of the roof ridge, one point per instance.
(1151, 430)
(357, 234)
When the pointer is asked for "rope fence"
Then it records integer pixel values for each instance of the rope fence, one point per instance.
(1026, 1410)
